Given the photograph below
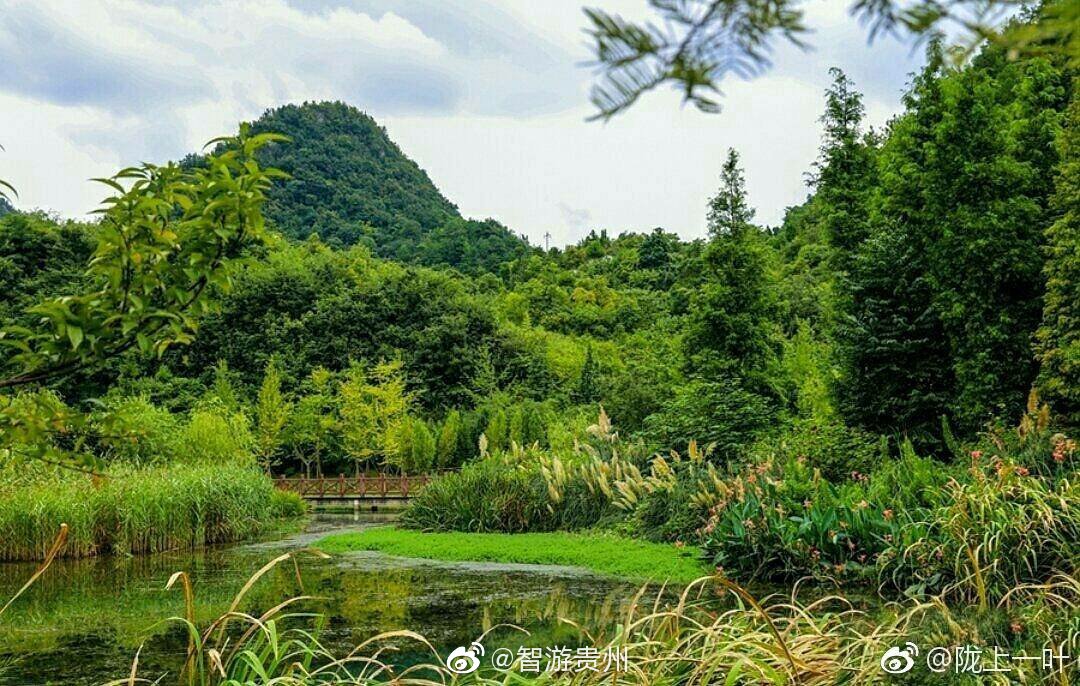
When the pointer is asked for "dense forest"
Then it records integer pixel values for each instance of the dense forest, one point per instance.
(879, 391)
(920, 291)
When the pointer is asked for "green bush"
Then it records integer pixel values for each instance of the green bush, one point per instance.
(135, 431)
(497, 430)
(669, 514)
(782, 522)
(485, 496)
(287, 504)
(528, 424)
(215, 435)
(914, 524)
(1000, 527)
(723, 413)
(446, 445)
(838, 451)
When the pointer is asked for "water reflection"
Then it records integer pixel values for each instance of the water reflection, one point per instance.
(83, 621)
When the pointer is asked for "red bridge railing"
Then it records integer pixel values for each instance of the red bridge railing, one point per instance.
(362, 486)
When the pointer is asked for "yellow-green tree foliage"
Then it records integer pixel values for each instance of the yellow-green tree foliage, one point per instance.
(373, 405)
(271, 415)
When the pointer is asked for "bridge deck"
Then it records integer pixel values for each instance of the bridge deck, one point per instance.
(362, 487)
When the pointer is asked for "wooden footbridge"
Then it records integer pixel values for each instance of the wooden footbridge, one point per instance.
(363, 491)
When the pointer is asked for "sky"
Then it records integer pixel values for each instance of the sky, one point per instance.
(490, 97)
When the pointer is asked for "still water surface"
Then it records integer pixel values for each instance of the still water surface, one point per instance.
(83, 621)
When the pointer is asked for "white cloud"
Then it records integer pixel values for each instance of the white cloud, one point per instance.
(49, 170)
(655, 166)
(490, 97)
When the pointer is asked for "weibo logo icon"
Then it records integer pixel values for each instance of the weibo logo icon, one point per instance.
(900, 660)
(464, 660)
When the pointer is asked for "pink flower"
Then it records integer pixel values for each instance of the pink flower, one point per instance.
(1062, 446)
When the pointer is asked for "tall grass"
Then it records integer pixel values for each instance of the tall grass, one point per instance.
(695, 638)
(1000, 528)
(523, 488)
(507, 493)
(140, 510)
(486, 496)
(714, 632)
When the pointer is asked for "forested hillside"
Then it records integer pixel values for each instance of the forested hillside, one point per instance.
(349, 180)
(350, 184)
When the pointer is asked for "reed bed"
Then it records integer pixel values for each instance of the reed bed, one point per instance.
(140, 511)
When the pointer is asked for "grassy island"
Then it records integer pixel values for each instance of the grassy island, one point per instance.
(605, 554)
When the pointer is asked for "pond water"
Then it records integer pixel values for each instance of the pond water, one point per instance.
(82, 623)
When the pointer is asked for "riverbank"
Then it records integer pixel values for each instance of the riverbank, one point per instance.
(176, 507)
(605, 554)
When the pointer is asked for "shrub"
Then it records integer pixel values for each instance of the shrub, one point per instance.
(498, 430)
(135, 431)
(287, 504)
(1000, 527)
(914, 524)
(1011, 517)
(723, 413)
(214, 435)
(670, 514)
(832, 447)
(781, 521)
(446, 446)
(528, 424)
(490, 495)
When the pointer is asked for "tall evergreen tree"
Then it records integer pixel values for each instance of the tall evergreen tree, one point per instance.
(898, 377)
(587, 390)
(844, 173)
(1059, 336)
(988, 179)
(897, 372)
(729, 210)
(732, 312)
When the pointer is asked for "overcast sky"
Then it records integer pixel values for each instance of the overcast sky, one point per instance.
(489, 96)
